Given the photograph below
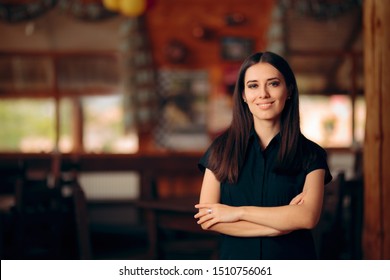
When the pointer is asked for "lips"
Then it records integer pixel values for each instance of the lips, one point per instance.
(265, 105)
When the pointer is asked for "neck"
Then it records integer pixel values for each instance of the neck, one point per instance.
(266, 132)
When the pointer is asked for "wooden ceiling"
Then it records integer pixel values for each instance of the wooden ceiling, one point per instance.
(328, 48)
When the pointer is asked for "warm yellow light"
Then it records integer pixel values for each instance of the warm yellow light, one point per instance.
(132, 8)
(112, 5)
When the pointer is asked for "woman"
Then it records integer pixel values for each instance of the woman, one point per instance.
(263, 180)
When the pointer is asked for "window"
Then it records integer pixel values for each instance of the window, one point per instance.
(89, 117)
(27, 125)
(328, 120)
(104, 128)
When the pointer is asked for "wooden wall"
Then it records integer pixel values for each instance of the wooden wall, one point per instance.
(176, 19)
(376, 232)
(57, 30)
(60, 31)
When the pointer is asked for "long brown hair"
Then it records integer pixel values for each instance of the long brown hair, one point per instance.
(228, 150)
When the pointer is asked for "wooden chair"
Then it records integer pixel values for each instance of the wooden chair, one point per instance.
(330, 231)
(79, 213)
(38, 221)
(49, 219)
(173, 232)
(11, 177)
(339, 229)
(353, 216)
(168, 209)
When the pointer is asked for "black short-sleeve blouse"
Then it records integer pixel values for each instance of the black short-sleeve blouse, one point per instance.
(259, 185)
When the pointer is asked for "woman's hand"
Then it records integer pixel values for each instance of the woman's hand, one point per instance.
(212, 213)
(298, 200)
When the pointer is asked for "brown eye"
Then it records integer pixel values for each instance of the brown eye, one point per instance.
(252, 86)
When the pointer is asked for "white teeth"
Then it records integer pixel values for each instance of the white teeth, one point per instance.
(265, 105)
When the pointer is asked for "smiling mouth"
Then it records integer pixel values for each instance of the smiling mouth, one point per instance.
(265, 105)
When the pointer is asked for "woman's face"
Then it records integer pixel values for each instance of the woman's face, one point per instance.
(265, 92)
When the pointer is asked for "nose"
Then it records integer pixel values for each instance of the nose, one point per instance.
(263, 92)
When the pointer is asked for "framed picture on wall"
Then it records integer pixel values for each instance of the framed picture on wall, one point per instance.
(236, 48)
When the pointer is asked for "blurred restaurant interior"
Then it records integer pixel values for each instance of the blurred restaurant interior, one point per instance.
(106, 106)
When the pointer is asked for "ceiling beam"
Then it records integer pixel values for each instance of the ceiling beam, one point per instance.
(356, 31)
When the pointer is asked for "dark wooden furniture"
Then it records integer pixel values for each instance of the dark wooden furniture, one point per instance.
(338, 233)
(176, 214)
(43, 216)
(170, 185)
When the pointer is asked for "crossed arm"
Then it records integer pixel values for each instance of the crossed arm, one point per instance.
(303, 212)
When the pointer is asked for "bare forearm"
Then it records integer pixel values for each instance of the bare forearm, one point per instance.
(289, 217)
(280, 218)
(246, 229)
(303, 211)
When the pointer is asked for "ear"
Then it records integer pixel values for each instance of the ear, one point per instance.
(243, 97)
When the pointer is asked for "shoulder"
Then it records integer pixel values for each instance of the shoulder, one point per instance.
(215, 149)
(315, 157)
(311, 147)
(203, 162)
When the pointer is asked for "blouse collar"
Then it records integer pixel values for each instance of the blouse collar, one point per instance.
(253, 136)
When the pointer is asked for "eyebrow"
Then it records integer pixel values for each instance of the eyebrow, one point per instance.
(270, 79)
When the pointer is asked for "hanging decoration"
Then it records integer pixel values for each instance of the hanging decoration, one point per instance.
(140, 99)
(82, 9)
(85, 10)
(276, 37)
(130, 8)
(13, 13)
(321, 9)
